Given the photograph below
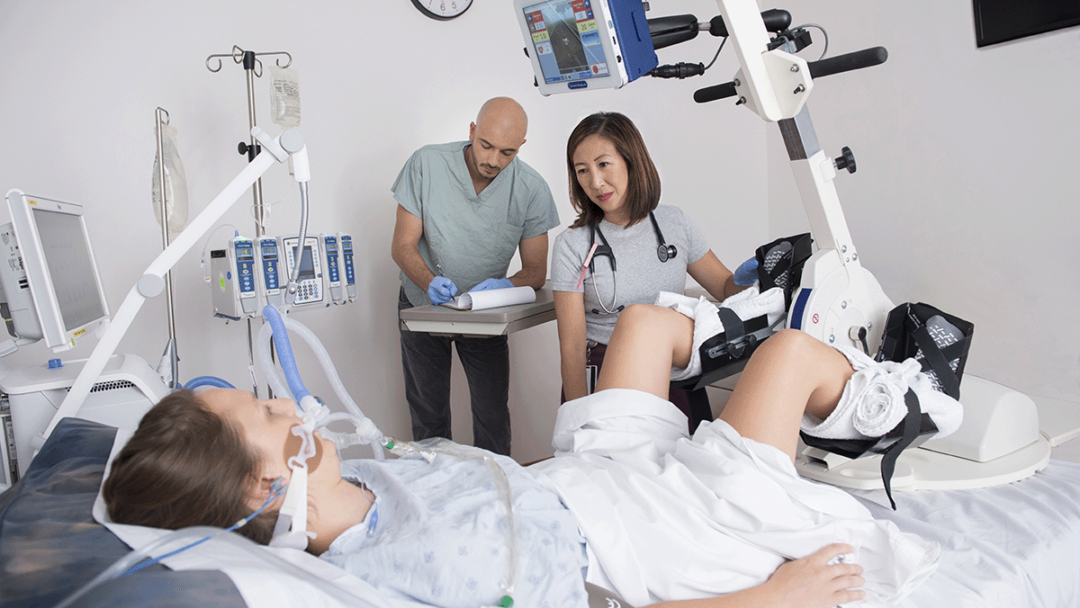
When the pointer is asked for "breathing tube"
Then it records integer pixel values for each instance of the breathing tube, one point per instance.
(291, 526)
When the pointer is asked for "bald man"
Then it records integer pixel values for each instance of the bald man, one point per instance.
(464, 208)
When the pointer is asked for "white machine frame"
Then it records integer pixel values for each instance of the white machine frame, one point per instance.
(843, 303)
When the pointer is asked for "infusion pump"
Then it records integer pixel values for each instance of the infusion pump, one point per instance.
(248, 274)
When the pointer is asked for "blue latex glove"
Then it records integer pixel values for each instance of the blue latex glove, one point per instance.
(440, 290)
(487, 284)
(746, 273)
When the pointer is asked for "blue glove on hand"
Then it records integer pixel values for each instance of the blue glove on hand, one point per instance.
(487, 284)
(440, 290)
(746, 273)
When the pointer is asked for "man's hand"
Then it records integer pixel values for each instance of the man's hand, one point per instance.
(441, 289)
(487, 284)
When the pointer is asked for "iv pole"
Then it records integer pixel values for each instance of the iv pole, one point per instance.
(253, 69)
(170, 347)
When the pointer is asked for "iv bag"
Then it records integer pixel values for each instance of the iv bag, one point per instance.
(285, 97)
(176, 196)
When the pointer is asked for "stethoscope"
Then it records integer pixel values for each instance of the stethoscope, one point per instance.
(664, 251)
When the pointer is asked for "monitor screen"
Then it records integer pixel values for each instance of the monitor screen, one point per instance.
(71, 267)
(566, 38)
(50, 279)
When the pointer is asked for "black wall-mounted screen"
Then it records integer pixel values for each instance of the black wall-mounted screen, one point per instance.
(1001, 20)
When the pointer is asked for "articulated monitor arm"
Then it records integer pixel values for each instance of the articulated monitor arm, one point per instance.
(289, 145)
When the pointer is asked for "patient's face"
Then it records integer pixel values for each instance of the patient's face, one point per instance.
(267, 427)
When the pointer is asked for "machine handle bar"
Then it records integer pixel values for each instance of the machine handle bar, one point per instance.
(826, 67)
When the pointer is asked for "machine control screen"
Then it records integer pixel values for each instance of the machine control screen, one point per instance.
(566, 40)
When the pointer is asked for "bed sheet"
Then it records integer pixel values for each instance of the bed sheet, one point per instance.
(1010, 546)
(1016, 545)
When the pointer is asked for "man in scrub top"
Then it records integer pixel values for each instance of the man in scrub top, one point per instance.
(464, 208)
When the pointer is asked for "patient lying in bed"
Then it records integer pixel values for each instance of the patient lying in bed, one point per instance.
(438, 533)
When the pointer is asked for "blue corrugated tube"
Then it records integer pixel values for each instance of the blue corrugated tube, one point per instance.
(207, 381)
(285, 354)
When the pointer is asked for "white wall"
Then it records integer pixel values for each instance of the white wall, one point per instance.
(378, 79)
(978, 139)
(965, 195)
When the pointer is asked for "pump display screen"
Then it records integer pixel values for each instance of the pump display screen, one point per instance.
(307, 264)
(566, 40)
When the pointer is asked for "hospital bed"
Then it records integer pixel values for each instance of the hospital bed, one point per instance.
(1014, 546)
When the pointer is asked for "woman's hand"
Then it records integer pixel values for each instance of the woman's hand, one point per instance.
(811, 582)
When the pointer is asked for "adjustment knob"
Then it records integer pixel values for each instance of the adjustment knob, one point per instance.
(846, 160)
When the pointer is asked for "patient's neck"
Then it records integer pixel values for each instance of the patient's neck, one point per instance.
(333, 509)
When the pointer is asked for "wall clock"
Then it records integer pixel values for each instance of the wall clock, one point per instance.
(443, 10)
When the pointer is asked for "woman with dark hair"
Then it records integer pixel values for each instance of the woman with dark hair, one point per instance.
(615, 188)
(437, 532)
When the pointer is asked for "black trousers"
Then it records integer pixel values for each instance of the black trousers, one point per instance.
(426, 361)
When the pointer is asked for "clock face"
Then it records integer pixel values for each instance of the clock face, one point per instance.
(443, 10)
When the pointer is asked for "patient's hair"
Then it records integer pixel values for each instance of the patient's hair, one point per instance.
(643, 187)
(186, 466)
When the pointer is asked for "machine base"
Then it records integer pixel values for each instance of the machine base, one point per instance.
(998, 442)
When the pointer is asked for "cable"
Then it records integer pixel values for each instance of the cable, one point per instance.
(824, 34)
(684, 70)
(275, 490)
(722, 43)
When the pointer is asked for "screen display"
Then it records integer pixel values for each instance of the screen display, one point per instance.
(566, 40)
(307, 265)
(71, 267)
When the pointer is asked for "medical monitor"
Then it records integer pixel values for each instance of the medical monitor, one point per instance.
(585, 44)
(50, 280)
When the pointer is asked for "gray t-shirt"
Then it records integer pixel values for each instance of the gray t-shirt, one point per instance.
(641, 275)
(472, 237)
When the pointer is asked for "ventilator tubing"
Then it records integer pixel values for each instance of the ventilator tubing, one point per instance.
(277, 328)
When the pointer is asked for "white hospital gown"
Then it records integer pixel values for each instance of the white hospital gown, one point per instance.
(669, 517)
(438, 535)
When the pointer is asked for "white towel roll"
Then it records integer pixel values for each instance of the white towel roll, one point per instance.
(872, 403)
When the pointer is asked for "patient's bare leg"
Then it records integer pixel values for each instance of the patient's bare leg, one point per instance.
(789, 373)
(647, 341)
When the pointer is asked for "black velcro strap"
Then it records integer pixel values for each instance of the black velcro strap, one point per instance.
(911, 431)
(946, 376)
(733, 325)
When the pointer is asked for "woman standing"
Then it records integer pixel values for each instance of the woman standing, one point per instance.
(641, 248)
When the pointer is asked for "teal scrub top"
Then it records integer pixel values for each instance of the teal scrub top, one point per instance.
(471, 236)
